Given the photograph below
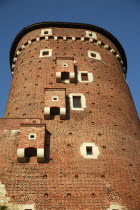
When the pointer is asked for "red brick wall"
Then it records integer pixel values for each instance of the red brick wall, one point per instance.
(67, 180)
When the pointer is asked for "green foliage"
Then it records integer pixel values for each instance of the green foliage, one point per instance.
(3, 207)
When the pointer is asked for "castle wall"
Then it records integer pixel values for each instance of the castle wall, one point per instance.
(90, 151)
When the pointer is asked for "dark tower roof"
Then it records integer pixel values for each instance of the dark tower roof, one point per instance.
(67, 25)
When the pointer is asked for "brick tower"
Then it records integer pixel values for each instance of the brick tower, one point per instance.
(70, 135)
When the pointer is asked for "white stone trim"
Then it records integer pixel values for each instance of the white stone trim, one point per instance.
(99, 43)
(91, 34)
(45, 50)
(98, 57)
(62, 113)
(37, 39)
(95, 151)
(83, 101)
(73, 39)
(30, 134)
(15, 59)
(23, 46)
(58, 76)
(49, 30)
(29, 42)
(21, 155)
(54, 97)
(46, 38)
(90, 40)
(72, 76)
(106, 47)
(13, 66)
(55, 38)
(82, 39)
(18, 52)
(47, 112)
(28, 206)
(90, 76)
(116, 206)
(112, 51)
(40, 155)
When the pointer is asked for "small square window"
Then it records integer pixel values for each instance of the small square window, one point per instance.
(84, 76)
(45, 53)
(94, 55)
(91, 34)
(54, 98)
(89, 150)
(76, 101)
(45, 32)
(32, 136)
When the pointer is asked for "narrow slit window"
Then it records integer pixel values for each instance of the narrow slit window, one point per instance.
(76, 101)
(32, 136)
(54, 98)
(84, 76)
(89, 150)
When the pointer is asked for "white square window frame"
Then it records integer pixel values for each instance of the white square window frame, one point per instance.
(45, 56)
(29, 136)
(95, 150)
(49, 30)
(54, 97)
(93, 34)
(98, 57)
(83, 101)
(90, 76)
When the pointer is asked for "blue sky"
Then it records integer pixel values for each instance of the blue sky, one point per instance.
(121, 18)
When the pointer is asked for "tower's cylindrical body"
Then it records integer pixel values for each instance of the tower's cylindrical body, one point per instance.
(78, 130)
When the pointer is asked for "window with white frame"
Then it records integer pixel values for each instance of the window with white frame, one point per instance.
(45, 53)
(46, 32)
(94, 55)
(77, 101)
(85, 76)
(55, 98)
(32, 136)
(91, 34)
(89, 150)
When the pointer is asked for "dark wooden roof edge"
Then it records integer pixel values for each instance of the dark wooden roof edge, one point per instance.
(102, 31)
